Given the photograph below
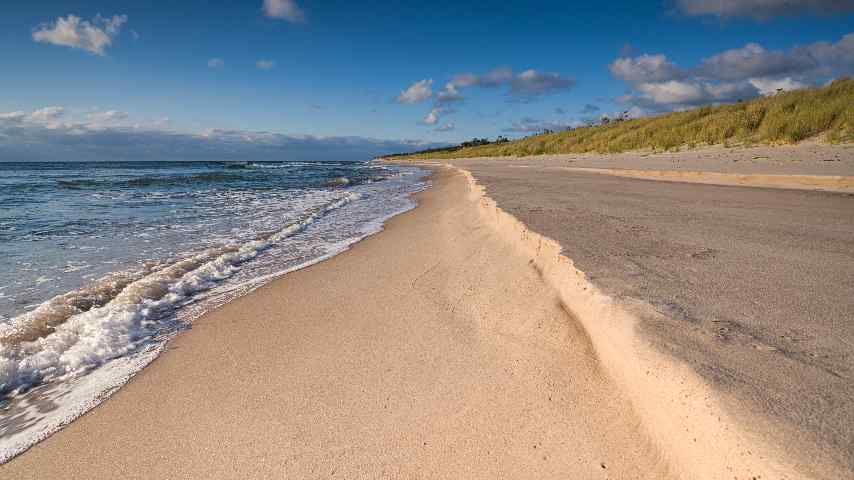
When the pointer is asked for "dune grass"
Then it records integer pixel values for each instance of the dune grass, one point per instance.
(784, 118)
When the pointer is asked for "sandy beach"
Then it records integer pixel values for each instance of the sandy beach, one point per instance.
(455, 344)
(413, 241)
(749, 286)
(807, 166)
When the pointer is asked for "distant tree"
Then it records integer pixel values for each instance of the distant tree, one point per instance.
(474, 142)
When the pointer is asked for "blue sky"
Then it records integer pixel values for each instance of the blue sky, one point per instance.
(343, 70)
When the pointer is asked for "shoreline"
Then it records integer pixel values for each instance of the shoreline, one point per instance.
(112, 342)
(405, 355)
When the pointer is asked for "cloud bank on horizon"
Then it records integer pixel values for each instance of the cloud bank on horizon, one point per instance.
(47, 135)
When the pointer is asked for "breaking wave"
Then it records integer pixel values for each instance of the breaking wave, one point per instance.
(108, 261)
(79, 330)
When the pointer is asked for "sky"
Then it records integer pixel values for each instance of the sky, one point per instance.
(312, 79)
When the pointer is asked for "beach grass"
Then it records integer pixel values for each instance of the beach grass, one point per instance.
(783, 118)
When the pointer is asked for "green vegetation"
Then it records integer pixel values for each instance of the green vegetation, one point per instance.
(787, 117)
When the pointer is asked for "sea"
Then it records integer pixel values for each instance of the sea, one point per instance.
(102, 263)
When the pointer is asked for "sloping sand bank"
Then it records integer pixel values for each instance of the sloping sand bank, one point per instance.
(751, 287)
(455, 344)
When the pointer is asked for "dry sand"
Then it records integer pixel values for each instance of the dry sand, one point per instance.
(801, 159)
(830, 183)
(751, 287)
(806, 166)
(455, 344)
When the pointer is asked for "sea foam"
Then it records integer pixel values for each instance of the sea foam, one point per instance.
(67, 354)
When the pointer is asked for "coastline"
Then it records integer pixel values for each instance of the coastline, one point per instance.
(140, 305)
(380, 362)
(445, 345)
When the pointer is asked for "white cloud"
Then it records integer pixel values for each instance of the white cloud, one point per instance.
(683, 93)
(47, 114)
(533, 83)
(729, 92)
(58, 117)
(446, 127)
(465, 80)
(674, 91)
(645, 68)
(738, 73)
(432, 117)
(523, 87)
(835, 59)
(72, 31)
(13, 116)
(107, 117)
(449, 94)
(265, 64)
(750, 61)
(770, 86)
(216, 63)
(529, 83)
(762, 8)
(284, 9)
(493, 78)
(753, 60)
(417, 92)
(112, 25)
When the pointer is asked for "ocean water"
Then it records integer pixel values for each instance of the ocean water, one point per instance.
(103, 263)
